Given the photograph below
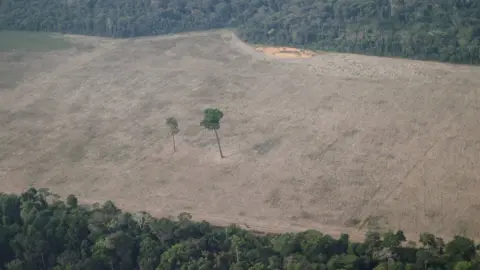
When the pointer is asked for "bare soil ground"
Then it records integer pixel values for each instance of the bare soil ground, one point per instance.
(335, 142)
(285, 52)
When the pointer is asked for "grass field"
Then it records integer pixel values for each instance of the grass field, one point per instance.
(19, 49)
(31, 41)
(336, 142)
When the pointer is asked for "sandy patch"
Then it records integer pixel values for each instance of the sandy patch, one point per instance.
(286, 52)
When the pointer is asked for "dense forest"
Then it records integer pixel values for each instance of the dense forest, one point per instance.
(40, 231)
(443, 30)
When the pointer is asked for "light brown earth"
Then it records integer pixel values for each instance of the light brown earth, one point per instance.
(335, 142)
(285, 52)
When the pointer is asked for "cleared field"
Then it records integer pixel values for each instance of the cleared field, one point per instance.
(22, 52)
(31, 41)
(335, 142)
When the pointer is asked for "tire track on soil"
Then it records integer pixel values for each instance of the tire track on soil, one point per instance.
(450, 122)
(405, 178)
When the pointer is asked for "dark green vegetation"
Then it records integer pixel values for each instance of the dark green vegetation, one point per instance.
(211, 121)
(38, 231)
(445, 30)
(172, 124)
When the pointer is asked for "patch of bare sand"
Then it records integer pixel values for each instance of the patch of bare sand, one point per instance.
(335, 142)
(286, 52)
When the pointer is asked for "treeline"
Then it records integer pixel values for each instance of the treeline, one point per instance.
(443, 30)
(39, 231)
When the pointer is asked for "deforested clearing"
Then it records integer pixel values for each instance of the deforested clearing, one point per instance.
(335, 142)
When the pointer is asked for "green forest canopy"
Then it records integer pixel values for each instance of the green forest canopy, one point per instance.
(443, 30)
(39, 231)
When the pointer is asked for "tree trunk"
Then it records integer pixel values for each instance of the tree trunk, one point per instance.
(43, 262)
(218, 142)
(173, 138)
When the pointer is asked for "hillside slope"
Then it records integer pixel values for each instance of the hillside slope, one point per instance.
(442, 30)
(336, 142)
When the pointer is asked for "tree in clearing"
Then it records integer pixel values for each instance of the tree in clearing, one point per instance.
(211, 121)
(172, 123)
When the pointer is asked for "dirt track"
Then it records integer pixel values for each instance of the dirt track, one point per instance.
(336, 142)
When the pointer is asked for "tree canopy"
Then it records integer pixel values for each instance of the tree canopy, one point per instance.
(443, 30)
(211, 118)
(172, 123)
(211, 121)
(39, 231)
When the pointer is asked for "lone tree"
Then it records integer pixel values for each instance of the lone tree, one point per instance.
(211, 121)
(172, 123)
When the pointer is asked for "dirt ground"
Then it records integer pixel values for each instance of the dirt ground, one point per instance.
(285, 52)
(335, 142)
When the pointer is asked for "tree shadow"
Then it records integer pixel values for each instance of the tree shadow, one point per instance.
(232, 154)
